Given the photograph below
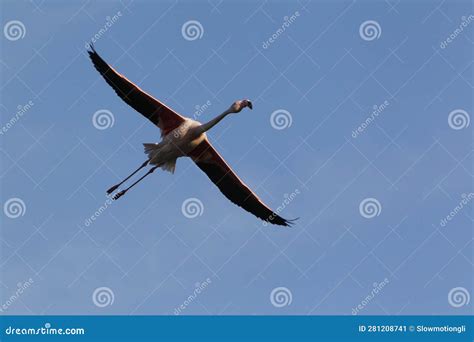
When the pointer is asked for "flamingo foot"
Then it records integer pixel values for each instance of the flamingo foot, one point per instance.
(112, 189)
(119, 194)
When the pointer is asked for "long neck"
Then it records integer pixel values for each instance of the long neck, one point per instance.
(208, 125)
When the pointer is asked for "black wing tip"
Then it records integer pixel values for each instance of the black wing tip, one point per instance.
(280, 221)
(91, 48)
(290, 222)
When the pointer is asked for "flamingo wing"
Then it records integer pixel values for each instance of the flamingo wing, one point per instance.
(220, 173)
(155, 111)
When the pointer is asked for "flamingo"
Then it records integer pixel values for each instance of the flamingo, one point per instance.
(183, 137)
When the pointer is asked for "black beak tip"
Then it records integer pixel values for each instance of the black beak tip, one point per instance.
(250, 105)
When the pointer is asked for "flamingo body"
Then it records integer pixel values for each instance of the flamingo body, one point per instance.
(178, 143)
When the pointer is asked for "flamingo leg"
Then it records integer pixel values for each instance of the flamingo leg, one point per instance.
(121, 193)
(113, 188)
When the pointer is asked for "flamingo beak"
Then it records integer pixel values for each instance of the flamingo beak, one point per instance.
(250, 105)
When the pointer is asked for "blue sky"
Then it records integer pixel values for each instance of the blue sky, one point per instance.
(321, 75)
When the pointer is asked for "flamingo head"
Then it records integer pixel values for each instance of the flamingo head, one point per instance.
(237, 106)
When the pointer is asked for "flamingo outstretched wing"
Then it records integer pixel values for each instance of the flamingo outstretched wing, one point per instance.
(155, 111)
(220, 173)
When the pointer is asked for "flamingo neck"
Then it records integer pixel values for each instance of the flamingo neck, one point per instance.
(208, 125)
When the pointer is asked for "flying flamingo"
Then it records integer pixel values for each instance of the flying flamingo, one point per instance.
(184, 137)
